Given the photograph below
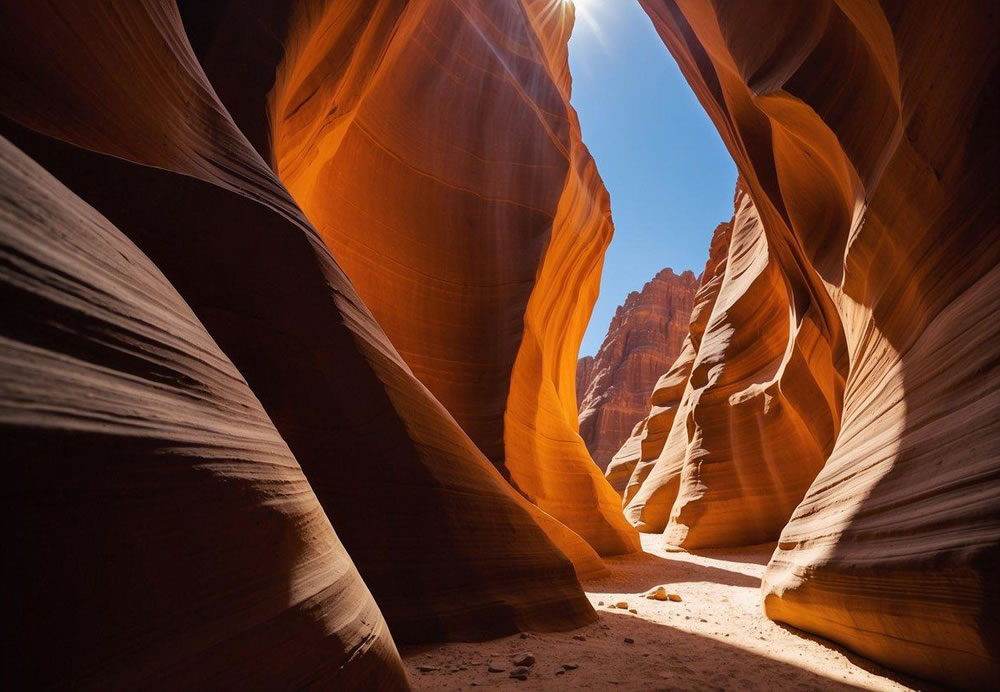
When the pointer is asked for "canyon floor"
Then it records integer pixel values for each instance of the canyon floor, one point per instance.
(716, 638)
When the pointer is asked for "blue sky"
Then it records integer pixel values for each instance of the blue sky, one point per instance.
(671, 180)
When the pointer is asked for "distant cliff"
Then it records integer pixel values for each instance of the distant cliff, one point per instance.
(643, 339)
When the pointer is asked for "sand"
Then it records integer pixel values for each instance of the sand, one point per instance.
(716, 638)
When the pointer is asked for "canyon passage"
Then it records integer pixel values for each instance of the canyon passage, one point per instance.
(293, 293)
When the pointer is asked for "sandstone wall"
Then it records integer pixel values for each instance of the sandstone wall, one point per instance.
(864, 133)
(121, 110)
(161, 534)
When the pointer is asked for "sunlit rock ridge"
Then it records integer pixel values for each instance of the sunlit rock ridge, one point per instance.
(293, 297)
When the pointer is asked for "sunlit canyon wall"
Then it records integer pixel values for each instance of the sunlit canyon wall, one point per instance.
(291, 325)
(854, 333)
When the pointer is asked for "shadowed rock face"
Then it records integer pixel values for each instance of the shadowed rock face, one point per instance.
(428, 520)
(643, 339)
(163, 535)
(865, 137)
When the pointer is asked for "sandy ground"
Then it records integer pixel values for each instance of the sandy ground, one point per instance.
(716, 638)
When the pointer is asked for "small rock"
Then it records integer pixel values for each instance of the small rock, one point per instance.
(702, 620)
(622, 604)
(600, 603)
(657, 594)
(676, 598)
(579, 637)
(523, 635)
(570, 666)
(427, 669)
(633, 611)
(496, 668)
(629, 640)
(519, 673)
(524, 659)
(560, 672)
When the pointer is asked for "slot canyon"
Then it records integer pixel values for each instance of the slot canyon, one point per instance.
(293, 293)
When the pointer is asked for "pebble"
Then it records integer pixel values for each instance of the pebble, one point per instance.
(524, 659)
(525, 636)
(629, 640)
(622, 604)
(600, 603)
(519, 673)
(676, 598)
(496, 668)
(427, 669)
(570, 666)
(633, 611)
(657, 594)
(579, 637)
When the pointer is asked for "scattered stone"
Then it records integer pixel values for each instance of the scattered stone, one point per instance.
(702, 620)
(560, 672)
(600, 603)
(427, 669)
(523, 635)
(524, 659)
(496, 668)
(629, 640)
(622, 605)
(676, 598)
(579, 637)
(633, 611)
(519, 673)
(657, 594)
(570, 666)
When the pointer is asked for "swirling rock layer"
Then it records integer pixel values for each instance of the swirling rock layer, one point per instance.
(864, 134)
(428, 520)
(643, 339)
(443, 166)
(162, 534)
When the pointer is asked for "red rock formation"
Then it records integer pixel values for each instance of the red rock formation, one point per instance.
(443, 166)
(643, 339)
(633, 462)
(759, 411)
(426, 518)
(866, 137)
(160, 533)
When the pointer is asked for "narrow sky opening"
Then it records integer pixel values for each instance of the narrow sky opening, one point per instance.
(670, 177)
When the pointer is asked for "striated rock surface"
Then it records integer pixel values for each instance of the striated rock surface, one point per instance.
(161, 534)
(758, 413)
(443, 166)
(428, 521)
(643, 339)
(637, 455)
(865, 135)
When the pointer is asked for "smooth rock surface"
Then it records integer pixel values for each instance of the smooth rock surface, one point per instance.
(162, 535)
(865, 135)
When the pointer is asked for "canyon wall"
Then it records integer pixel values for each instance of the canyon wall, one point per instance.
(161, 534)
(643, 339)
(635, 459)
(443, 166)
(114, 101)
(865, 134)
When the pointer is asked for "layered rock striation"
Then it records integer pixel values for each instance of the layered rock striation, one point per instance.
(443, 166)
(428, 520)
(863, 132)
(643, 339)
(162, 535)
